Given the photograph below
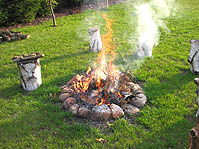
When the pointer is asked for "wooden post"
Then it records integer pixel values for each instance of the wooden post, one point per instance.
(52, 12)
(194, 133)
(95, 39)
(30, 71)
(107, 4)
(194, 56)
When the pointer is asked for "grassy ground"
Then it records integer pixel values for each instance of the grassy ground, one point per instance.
(35, 120)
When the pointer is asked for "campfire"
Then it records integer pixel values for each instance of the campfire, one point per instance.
(103, 92)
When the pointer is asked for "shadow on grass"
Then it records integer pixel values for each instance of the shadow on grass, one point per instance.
(171, 136)
(168, 85)
(16, 88)
(44, 123)
(45, 127)
(64, 56)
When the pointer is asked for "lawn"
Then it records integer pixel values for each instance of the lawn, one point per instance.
(35, 119)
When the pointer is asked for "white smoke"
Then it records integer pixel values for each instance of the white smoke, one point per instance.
(151, 16)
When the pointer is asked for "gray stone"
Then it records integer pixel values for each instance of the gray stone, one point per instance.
(63, 97)
(74, 109)
(135, 88)
(130, 84)
(67, 90)
(84, 112)
(117, 112)
(100, 113)
(69, 101)
(139, 101)
(130, 109)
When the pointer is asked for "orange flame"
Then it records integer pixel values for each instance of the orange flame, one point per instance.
(82, 82)
(101, 101)
(105, 67)
(89, 70)
(119, 94)
(104, 64)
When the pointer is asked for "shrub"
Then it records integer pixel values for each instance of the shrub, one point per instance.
(22, 11)
(69, 3)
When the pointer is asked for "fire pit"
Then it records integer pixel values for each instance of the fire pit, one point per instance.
(103, 92)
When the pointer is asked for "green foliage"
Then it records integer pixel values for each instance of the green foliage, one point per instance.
(69, 3)
(22, 11)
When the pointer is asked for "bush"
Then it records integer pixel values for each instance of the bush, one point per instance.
(72, 3)
(22, 11)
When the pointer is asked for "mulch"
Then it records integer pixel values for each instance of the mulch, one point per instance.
(64, 12)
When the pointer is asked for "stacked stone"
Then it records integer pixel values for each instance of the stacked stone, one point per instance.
(102, 112)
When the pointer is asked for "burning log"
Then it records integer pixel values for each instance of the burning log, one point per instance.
(95, 39)
(194, 56)
(30, 70)
(194, 133)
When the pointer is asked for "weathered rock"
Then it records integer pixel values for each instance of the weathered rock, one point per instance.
(67, 90)
(117, 112)
(135, 88)
(63, 97)
(130, 109)
(69, 101)
(88, 99)
(74, 109)
(84, 112)
(130, 84)
(101, 113)
(139, 101)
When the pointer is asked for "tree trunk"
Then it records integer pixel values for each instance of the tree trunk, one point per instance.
(194, 133)
(95, 39)
(30, 74)
(194, 138)
(194, 56)
(52, 12)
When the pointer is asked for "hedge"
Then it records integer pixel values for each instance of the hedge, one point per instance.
(21, 11)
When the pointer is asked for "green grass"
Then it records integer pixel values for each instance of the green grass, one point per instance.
(35, 120)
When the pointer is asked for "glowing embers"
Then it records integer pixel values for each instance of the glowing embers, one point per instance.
(81, 84)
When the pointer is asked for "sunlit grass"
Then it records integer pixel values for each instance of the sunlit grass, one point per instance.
(35, 120)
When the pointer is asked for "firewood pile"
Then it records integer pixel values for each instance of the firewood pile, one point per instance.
(12, 36)
(85, 97)
(27, 58)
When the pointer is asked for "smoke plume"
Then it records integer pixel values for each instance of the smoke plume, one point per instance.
(150, 18)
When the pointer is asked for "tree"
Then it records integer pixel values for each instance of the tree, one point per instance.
(52, 12)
